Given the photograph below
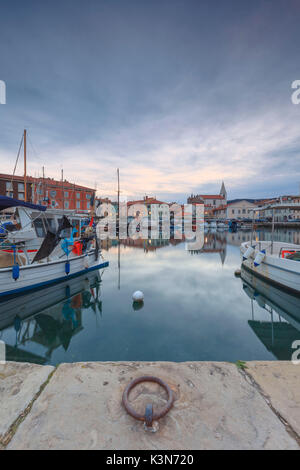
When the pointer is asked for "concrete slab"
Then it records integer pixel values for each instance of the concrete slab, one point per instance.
(18, 385)
(280, 382)
(215, 408)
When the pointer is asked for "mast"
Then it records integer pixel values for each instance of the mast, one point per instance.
(44, 192)
(63, 191)
(25, 167)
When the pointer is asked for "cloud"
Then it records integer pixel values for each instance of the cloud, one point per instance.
(179, 99)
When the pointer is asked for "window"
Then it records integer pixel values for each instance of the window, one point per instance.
(50, 224)
(88, 196)
(214, 202)
(52, 193)
(87, 205)
(66, 204)
(232, 211)
(66, 193)
(21, 196)
(244, 211)
(39, 228)
(78, 195)
(53, 203)
(21, 187)
(9, 186)
(9, 194)
(78, 205)
(66, 233)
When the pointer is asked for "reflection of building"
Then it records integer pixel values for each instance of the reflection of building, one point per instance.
(211, 201)
(146, 244)
(213, 243)
(279, 235)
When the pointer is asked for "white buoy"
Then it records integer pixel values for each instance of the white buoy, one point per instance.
(249, 252)
(259, 257)
(138, 296)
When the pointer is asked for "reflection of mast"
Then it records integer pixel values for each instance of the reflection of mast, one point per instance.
(119, 265)
(118, 232)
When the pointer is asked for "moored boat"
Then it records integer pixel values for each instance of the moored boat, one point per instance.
(57, 259)
(276, 262)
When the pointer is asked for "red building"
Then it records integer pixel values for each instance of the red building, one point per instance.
(47, 191)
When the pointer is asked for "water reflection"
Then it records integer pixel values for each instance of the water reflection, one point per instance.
(194, 308)
(283, 327)
(49, 318)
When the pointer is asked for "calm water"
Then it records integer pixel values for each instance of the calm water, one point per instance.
(194, 309)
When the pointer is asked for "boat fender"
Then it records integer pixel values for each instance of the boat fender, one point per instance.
(16, 272)
(67, 267)
(259, 257)
(138, 296)
(16, 267)
(86, 262)
(249, 252)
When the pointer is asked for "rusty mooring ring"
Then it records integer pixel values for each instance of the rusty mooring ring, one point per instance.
(149, 416)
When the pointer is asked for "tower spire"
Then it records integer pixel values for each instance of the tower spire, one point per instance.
(223, 191)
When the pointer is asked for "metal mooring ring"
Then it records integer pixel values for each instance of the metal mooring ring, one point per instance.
(149, 416)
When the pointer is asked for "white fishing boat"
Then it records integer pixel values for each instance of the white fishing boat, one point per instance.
(57, 259)
(275, 262)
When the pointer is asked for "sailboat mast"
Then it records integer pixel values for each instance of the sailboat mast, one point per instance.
(25, 167)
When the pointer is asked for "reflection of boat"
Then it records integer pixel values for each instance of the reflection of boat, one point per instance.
(284, 303)
(32, 303)
(48, 321)
(277, 336)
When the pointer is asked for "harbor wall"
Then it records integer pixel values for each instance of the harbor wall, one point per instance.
(217, 405)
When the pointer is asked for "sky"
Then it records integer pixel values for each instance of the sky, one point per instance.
(178, 94)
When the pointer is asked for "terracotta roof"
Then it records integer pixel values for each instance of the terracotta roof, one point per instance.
(206, 196)
(150, 200)
(48, 181)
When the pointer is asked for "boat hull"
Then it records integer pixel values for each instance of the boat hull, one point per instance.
(279, 272)
(38, 276)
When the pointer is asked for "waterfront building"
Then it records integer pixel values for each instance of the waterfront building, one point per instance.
(47, 192)
(155, 208)
(240, 209)
(282, 214)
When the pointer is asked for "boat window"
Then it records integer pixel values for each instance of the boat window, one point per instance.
(50, 224)
(66, 233)
(39, 228)
(294, 256)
